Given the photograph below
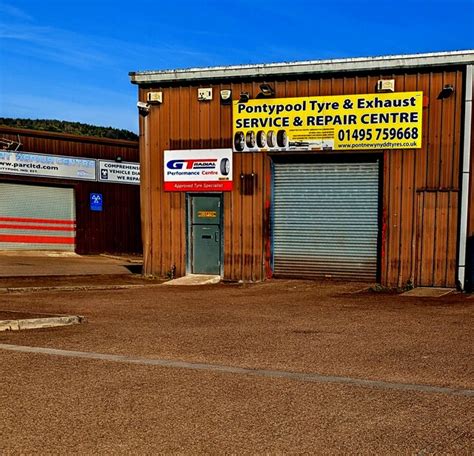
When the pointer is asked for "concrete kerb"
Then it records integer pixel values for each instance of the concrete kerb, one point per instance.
(36, 323)
(73, 288)
(186, 281)
(195, 279)
(127, 259)
(66, 288)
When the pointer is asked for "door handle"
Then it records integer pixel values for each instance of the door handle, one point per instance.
(216, 236)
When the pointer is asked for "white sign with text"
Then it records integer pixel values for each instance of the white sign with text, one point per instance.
(119, 172)
(41, 165)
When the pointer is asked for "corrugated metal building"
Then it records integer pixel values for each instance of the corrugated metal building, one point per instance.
(47, 186)
(385, 195)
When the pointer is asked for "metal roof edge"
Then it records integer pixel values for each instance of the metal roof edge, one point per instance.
(462, 57)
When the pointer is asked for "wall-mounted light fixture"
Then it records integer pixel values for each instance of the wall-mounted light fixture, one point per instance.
(244, 97)
(143, 108)
(226, 96)
(266, 91)
(446, 92)
(118, 158)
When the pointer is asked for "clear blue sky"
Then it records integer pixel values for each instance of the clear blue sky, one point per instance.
(69, 59)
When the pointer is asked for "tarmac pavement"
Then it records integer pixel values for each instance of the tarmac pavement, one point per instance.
(280, 367)
(37, 264)
(70, 406)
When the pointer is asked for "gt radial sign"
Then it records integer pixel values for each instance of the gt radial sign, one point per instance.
(203, 170)
(343, 122)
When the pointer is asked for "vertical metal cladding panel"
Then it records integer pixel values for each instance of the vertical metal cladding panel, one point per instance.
(37, 218)
(325, 220)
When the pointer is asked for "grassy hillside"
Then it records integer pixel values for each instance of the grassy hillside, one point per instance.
(73, 128)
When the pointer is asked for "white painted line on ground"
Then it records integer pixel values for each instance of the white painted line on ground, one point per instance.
(300, 376)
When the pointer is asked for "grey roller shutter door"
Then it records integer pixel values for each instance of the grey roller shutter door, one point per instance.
(325, 220)
(37, 218)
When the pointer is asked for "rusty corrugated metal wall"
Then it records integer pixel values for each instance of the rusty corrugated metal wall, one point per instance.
(420, 187)
(117, 228)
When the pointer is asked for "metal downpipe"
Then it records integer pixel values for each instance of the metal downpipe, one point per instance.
(465, 177)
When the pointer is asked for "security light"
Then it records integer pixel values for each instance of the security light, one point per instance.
(143, 108)
(226, 96)
(244, 97)
(266, 90)
(446, 92)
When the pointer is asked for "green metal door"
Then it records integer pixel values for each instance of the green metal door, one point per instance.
(205, 234)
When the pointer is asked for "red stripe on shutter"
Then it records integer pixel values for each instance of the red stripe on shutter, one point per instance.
(36, 227)
(21, 238)
(37, 220)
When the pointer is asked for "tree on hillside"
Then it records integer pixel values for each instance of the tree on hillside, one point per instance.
(73, 128)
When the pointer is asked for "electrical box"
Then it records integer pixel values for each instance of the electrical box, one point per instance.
(154, 97)
(386, 85)
(205, 94)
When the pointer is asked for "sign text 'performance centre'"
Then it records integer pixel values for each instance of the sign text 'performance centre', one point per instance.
(207, 170)
(342, 122)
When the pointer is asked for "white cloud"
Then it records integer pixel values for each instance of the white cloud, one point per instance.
(86, 51)
(14, 12)
(53, 44)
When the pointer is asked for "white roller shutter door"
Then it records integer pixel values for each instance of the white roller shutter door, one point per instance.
(37, 217)
(325, 220)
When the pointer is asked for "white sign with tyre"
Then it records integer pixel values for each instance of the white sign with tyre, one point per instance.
(199, 170)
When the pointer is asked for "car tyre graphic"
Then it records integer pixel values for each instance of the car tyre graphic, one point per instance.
(271, 139)
(261, 139)
(239, 141)
(225, 166)
(282, 138)
(250, 139)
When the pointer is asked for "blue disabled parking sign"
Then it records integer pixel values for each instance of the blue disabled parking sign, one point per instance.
(96, 202)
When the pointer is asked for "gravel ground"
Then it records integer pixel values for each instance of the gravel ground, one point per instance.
(9, 315)
(67, 405)
(74, 281)
(34, 264)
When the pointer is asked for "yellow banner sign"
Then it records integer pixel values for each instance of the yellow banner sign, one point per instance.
(343, 122)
